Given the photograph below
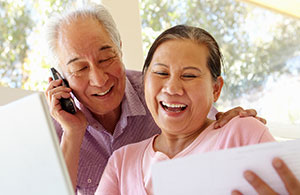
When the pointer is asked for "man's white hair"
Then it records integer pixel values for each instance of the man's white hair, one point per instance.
(96, 11)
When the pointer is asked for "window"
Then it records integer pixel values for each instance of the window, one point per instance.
(261, 52)
(24, 61)
(23, 56)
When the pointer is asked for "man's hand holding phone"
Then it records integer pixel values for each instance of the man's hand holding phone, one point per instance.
(62, 106)
(67, 104)
(73, 125)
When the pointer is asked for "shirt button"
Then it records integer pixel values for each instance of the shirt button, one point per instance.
(89, 180)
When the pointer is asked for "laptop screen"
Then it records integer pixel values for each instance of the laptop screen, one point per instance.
(31, 160)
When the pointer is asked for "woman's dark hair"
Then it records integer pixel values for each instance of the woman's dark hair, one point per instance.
(199, 36)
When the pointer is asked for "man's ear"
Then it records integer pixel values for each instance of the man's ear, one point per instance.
(121, 53)
(217, 86)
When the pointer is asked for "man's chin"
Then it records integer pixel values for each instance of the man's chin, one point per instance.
(106, 108)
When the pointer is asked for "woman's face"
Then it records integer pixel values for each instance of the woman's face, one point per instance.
(179, 88)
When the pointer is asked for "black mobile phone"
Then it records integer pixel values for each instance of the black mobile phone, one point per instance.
(67, 104)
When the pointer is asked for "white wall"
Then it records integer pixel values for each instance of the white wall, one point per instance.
(11, 94)
(127, 17)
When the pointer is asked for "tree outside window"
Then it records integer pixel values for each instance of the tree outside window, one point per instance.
(261, 49)
(261, 52)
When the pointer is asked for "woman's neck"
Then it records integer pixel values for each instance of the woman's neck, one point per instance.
(171, 145)
(109, 120)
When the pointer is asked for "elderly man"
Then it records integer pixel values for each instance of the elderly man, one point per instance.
(110, 100)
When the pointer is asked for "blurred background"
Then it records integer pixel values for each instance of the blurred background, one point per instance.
(260, 41)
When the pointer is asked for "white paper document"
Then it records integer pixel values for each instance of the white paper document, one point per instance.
(220, 172)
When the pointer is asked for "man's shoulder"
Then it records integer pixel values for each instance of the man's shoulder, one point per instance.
(133, 75)
(135, 79)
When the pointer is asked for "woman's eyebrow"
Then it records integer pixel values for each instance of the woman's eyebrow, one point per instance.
(160, 64)
(185, 68)
(191, 67)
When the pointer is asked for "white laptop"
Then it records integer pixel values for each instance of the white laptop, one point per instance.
(31, 160)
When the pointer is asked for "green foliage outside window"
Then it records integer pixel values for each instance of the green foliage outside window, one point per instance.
(21, 24)
(15, 25)
(253, 49)
(257, 44)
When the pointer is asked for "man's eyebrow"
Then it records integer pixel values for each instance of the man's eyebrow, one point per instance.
(105, 47)
(100, 49)
(72, 60)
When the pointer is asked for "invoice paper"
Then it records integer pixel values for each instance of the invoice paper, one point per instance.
(221, 171)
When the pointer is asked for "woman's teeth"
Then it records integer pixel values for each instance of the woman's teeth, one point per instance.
(173, 107)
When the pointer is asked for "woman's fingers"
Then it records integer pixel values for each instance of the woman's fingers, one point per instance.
(291, 183)
(258, 184)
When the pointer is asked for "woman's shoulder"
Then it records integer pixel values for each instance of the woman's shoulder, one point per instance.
(244, 131)
(245, 123)
(132, 150)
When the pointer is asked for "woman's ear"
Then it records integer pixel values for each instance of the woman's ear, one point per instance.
(217, 86)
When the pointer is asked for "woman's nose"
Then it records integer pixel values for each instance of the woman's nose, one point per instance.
(98, 77)
(173, 86)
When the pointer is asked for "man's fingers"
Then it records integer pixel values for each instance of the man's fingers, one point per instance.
(224, 118)
(258, 184)
(248, 112)
(252, 112)
(219, 115)
(290, 181)
(50, 79)
(58, 90)
(52, 84)
(264, 121)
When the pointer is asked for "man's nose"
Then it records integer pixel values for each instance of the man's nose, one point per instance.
(173, 86)
(98, 77)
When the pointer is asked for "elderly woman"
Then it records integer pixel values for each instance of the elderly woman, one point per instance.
(182, 80)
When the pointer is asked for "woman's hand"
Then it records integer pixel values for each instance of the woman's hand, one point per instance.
(291, 183)
(224, 118)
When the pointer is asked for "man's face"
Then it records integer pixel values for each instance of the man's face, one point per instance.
(92, 64)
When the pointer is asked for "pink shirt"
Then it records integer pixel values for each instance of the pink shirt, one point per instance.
(135, 124)
(129, 168)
